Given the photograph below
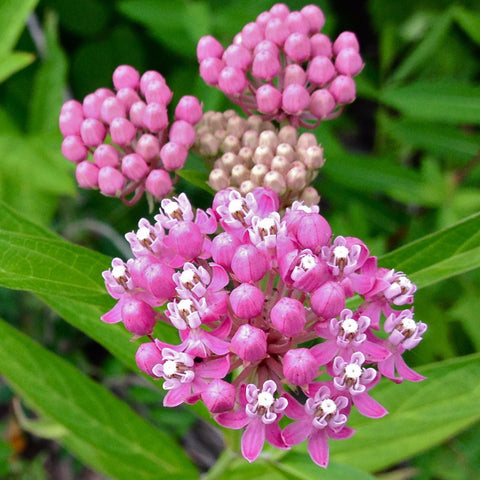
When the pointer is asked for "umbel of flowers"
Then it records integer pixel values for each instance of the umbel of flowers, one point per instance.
(258, 298)
(121, 140)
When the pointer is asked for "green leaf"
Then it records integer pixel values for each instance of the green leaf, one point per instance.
(103, 431)
(441, 255)
(455, 103)
(199, 179)
(11, 63)
(469, 21)
(421, 416)
(13, 14)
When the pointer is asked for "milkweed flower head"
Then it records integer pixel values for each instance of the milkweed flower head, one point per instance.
(245, 153)
(257, 297)
(121, 139)
(281, 66)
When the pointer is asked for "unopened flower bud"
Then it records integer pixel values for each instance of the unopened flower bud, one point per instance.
(288, 134)
(269, 99)
(210, 70)
(224, 246)
(122, 131)
(310, 196)
(280, 164)
(258, 172)
(182, 132)
(126, 76)
(148, 146)
(186, 239)
(345, 40)
(110, 181)
(134, 166)
(275, 181)
(188, 109)
(263, 155)
(343, 89)
(320, 71)
(328, 300)
(314, 17)
(297, 47)
(218, 179)
(231, 143)
(349, 62)
(295, 99)
(249, 264)
(93, 132)
(138, 317)
(300, 366)
(74, 149)
(86, 174)
(136, 113)
(112, 108)
(128, 97)
(173, 156)
(158, 92)
(313, 157)
(207, 47)
(249, 343)
(158, 278)
(219, 396)
(155, 117)
(294, 74)
(149, 77)
(247, 186)
(313, 232)
(250, 139)
(321, 45)
(239, 174)
(297, 178)
(148, 355)
(247, 301)
(288, 316)
(158, 183)
(322, 103)
(232, 81)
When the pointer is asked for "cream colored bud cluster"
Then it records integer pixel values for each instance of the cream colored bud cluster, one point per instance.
(244, 153)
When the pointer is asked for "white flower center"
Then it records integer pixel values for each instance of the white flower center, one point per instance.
(170, 368)
(170, 208)
(187, 276)
(409, 324)
(235, 206)
(143, 233)
(265, 399)
(119, 271)
(341, 252)
(353, 371)
(308, 262)
(328, 406)
(185, 306)
(349, 325)
(404, 282)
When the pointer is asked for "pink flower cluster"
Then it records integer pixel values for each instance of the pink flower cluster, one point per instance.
(259, 301)
(126, 131)
(282, 67)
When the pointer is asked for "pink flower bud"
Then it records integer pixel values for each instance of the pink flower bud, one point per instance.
(148, 77)
(103, 93)
(328, 300)
(237, 56)
(106, 156)
(158, 278)
(320, 70)
(300, 366)
(314, 17)
(209, 47)
(249, 343)
(219, 396)
(210, 70)
(110, 181)
(182, 132)
(322, 103)
(232, 81)
(313, 232)
(249, 264)
(158, 92)
(91, 106)
(276, 31)
(279, 10)
(345, 40)
(158, 183)
(86, 174)
(321, 45)
(349, 62)
(127, 97)
(136, 113)
(73, 107)
(186, 239)
(173, 156)
(148, 355)
(297, 47)
(295, 99)
(294, 74)
(70, 122)
(148, 146)
(155, 117)
(138, 317)
(288, 316)
(267, 45)
(343, 89)
(252, 35)
(93, 132)
(122, 131)
(112, 108)
(134, 166)
(189, 109)
(297, 23)
(74, 149)
(269, 99)
(224, 246)
(247, 301)
(126, 76)
(266, 65)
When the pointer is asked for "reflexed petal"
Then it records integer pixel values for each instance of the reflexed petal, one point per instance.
(233, 420)
(253, 440)
(274, 436)
(369, 407)
(318, 448)
(297, 432)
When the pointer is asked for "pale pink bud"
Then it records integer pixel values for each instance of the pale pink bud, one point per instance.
(252, 35)
(138, 317)
(70, 122)
(269, 99)
(148, 77)
(249, 264)
(148, 146)
(328, 300)
(106, 156)
(249, 343)
(295, 99)
(300, 366)
(237, 56)
(158, 92)
(186, 239)
(122, 131)
(91, 106)
(158, 279)
(239, 174)
(128, 97)
(320, 70)
(74, 149)
(218, 179)
(280, 164)
(343, 89)
(267, 45)
(321, 45)
(219, 396)
(189, 109)
(158, 183)
(232, 81)
(110, 181)
(266, 65)
(148, 355)
(313, 157)
(136, 113)
(223, 248)
(345, 40)
(297, 23)
(306, 140)
(297, 47)
(322, 103)
(112, 108)
(182, 132)
(279, 10)
(313, 232)
(275, 181)
(126, 76)
(288, 316)
(86, 174)
(297, 178)
(276, 31)
(314, 17)
(173, 156)
(155, 117)
(247, 301)
(247, 186)
(93, 132)
(134, 166)
(349, 62)
(210, 70)
(208, 47)
(310, 196)
(258, 173)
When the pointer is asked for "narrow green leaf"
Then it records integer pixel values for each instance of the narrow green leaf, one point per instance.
(421, 416)
(199, 179)
(13, 14)
(469, 21)
(454, 103)
(104, 431)
(11, 63)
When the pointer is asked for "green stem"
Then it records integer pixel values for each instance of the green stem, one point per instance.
(221, 466)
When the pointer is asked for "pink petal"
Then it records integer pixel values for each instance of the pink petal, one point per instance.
(216, 368)
(344, 433)
(253, 439)
(115, 314)
(368, 407)
(406, 372)
(274, 436)
(374, 352)
(294, 409)
(297, 432)
(219, 278)
(318, 447)
(176, 396)
(233, 420)
(325, 352)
